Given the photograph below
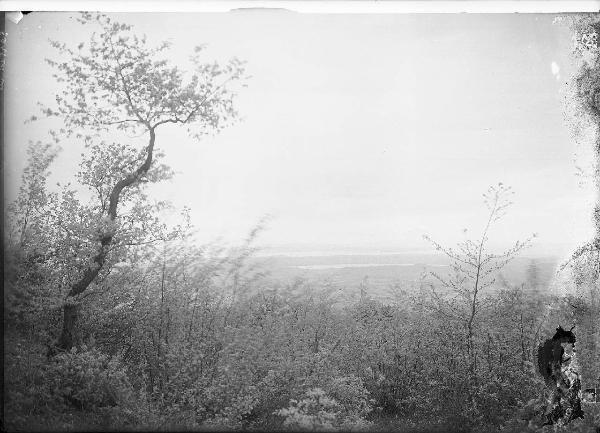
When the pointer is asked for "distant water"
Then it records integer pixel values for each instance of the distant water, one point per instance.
(358, 265)
(269, 252)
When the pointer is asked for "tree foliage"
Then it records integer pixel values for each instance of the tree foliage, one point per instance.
(473, 270)
(119, 79)
(119, 82)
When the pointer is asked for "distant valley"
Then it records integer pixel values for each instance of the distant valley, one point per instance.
(378, 272)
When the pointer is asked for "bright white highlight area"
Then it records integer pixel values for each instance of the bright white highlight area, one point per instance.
(357, 132)
(555, 70)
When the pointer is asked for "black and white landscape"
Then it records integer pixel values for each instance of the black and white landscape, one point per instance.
(267, 220)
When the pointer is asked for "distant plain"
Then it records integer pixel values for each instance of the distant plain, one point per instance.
(377, 274)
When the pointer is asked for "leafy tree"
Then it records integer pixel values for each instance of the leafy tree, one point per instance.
(473, 270)
(519, 316)
(28, 242)
(120, 83)
(27, 210)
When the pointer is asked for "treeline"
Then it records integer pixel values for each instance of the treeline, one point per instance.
(193, 338)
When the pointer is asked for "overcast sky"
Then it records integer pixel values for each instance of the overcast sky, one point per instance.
(359, 132)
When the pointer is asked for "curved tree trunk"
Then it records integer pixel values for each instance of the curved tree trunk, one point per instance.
(69, 336)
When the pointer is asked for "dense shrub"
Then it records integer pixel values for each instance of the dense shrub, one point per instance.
(316, 411)
(319, 411)
(88, 379)
(73, 390)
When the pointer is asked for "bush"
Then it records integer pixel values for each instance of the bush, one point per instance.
(316, 411)
(88, 379)
(73, 391)
(353, 399)
(28, 403)
(319, 412)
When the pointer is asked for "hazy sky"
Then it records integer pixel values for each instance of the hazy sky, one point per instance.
(359, 132)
